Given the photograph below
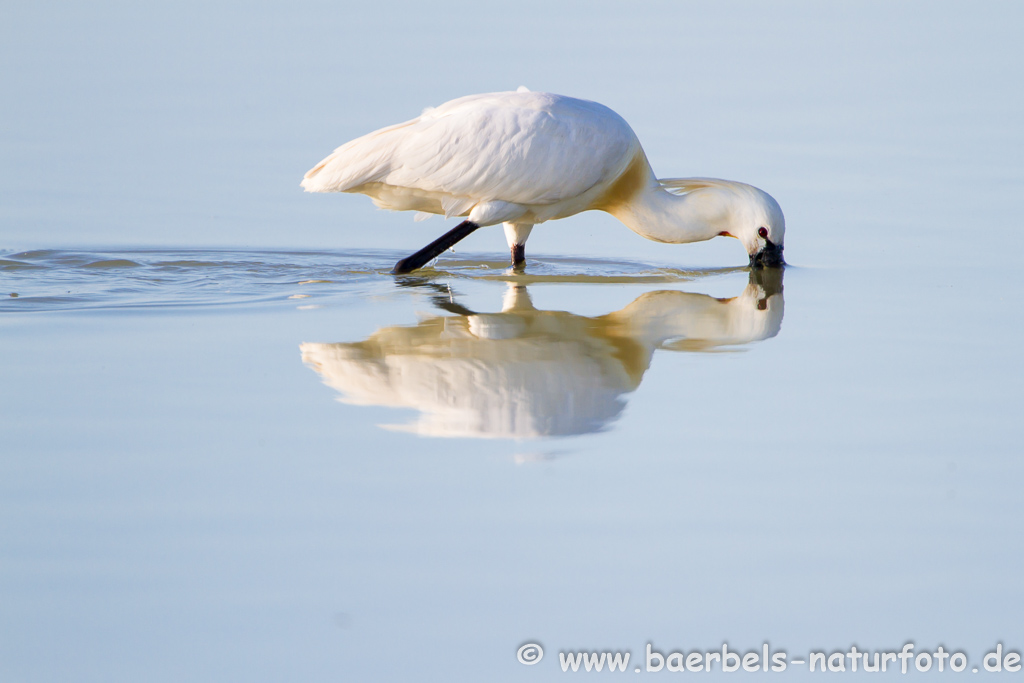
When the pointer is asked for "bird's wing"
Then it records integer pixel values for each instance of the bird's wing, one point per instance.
(521, 147)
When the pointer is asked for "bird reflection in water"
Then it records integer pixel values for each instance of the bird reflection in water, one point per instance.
(526, 373)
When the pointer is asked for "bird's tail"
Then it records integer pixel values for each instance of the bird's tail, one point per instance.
(360, 161)
(330, 174)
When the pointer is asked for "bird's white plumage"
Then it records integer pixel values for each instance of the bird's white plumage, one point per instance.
(527, 373)
(522, 158)
(530, 149)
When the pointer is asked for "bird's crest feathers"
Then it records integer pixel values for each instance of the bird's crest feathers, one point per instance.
(682, 186)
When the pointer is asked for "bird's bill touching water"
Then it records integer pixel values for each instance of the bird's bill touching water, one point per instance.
(770, 256)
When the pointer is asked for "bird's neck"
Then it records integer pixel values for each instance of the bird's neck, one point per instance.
(662, 216)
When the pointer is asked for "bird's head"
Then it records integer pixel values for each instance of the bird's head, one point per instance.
(760, 225)
(731, 209)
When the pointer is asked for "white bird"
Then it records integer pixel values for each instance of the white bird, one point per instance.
(525, 372)
(522, 158)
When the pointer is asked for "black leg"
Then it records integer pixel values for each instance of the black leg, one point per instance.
(434, 249)
(518, 255)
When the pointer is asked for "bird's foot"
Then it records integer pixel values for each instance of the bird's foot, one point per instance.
(518, 257)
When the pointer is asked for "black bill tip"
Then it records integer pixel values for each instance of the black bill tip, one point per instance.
(769, 257)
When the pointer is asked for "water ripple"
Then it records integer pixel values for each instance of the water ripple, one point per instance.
(51, 279)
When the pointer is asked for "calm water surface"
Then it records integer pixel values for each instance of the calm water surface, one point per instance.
(256, 464)
(237, 449)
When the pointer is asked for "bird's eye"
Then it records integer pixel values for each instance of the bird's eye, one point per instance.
(763, 232)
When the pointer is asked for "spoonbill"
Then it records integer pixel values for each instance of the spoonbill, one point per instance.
(522, 158)
(525, 372)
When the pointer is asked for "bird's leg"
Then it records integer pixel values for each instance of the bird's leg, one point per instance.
(435, 248)
(518, 255)
(516, 235)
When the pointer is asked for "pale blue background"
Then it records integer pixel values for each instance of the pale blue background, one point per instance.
(180, 498)
(192, 124)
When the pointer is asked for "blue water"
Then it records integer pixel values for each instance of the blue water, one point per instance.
(234, 447)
